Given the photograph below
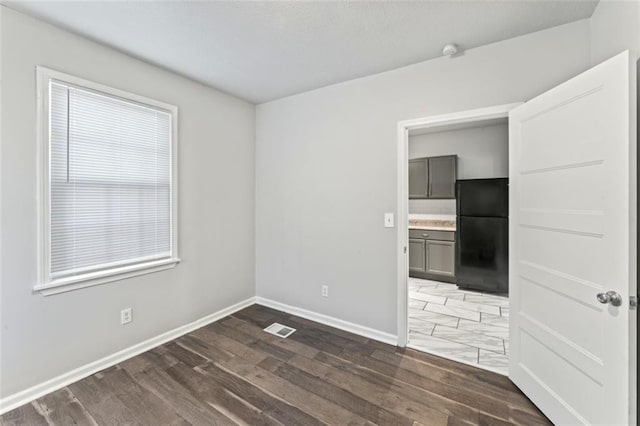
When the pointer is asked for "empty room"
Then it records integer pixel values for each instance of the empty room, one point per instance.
(319, 212)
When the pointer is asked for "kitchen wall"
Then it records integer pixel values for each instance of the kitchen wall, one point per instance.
(43, 337)
(483, 152)
(326, 167)
(439, 207)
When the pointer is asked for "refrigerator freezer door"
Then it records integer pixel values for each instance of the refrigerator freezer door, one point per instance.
(483, 197)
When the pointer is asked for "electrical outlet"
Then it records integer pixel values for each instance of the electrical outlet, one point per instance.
(126, 316)
(388, 220)
(325, 291)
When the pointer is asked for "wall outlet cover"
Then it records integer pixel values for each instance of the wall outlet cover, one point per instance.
(126, 316)
(325, 291)
(388, 220)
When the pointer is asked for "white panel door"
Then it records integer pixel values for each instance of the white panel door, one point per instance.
(570, 212)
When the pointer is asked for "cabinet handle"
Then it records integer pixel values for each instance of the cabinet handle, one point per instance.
(425, 235)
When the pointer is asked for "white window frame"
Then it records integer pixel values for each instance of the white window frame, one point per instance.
(46, 284)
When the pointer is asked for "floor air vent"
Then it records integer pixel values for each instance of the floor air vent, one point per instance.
(280, 330)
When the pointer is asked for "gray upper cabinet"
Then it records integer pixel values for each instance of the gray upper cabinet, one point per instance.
(418, 176)
(433, 177)
(442, 177)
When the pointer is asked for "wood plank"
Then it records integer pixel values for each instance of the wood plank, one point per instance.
(373, 344)
(457, 394)
(487, 420)
(63, 408)
(292, 346)
(308, 334)
(101, 402)
(268, 403)
(262, 318)
(154, 358)
(24, 415)
(224, 401)
(184, 355)
(457, 421)
(252, 341)
(319, 407)
(458, 379)
(210, 337)
(204, 349)
(474, 373)
(323, 388)
(530, 418)
(145, 406)
(185, 404)
(431, 400)
(260, 315)
(373, 393)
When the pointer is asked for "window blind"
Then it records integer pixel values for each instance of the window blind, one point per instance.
(110, 182)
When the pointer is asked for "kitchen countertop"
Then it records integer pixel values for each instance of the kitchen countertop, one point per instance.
(432, 224)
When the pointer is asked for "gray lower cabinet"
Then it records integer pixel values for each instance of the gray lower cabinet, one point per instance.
(417, 256)
(432, 254)
(440, 257)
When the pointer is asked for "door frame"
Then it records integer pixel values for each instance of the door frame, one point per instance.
(443, 121)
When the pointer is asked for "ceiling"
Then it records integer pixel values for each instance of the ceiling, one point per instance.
(266, 50)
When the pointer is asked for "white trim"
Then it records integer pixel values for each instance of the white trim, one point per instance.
(434, 121)
(403, 234)
(460, 117)
(46, 283)
(10, 402)
(48, 73)
(111, 275)
(360, 330)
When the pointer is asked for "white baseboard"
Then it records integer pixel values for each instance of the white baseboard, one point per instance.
(361, 330)
(23, 397)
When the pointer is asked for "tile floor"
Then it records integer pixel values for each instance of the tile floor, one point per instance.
(462, 325)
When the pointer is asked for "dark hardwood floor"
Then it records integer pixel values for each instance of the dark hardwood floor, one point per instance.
(232, 372)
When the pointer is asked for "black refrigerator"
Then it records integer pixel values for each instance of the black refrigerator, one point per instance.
(482, 234)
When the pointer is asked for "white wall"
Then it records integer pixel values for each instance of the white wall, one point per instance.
(43, 337)
(483, 152)
(326, 167)
(614, 27)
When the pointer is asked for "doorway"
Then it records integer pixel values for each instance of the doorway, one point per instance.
(572, 243)
(466, 323)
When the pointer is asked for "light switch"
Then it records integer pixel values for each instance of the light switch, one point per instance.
(388, 220)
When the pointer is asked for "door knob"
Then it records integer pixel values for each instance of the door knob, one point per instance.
(611, 297)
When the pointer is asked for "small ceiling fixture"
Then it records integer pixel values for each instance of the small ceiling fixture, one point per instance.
(450, 49)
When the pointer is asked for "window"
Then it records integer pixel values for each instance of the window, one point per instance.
(108, 183)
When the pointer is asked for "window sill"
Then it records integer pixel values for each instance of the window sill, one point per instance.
(74, 283)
